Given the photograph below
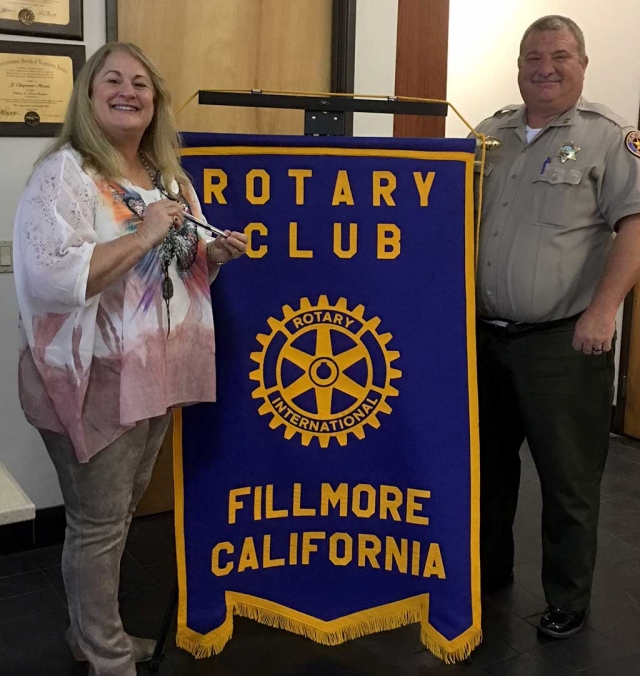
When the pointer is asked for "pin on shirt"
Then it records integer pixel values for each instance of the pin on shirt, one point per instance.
(568, 152)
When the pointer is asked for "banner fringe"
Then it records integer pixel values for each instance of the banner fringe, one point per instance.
(448, 656)
(216, 641)
(342, 635)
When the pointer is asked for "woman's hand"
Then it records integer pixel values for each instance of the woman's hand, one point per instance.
(159, 218)
(223, 249)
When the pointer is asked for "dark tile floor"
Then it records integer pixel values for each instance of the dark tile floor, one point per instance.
(33, 615)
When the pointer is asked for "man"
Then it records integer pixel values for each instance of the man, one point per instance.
(551, 276)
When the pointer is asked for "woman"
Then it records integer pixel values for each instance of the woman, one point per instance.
(113, 289)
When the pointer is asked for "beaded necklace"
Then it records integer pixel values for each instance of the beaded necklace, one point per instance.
(180, 243)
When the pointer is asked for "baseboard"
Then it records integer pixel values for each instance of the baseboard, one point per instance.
(45, 530)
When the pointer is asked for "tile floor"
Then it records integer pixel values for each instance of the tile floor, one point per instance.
(33, 614)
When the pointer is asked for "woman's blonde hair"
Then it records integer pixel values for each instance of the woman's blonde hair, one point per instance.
(160, 141)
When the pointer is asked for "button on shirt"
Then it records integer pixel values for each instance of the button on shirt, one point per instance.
(548, 225)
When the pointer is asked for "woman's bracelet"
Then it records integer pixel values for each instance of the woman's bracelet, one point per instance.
(210, 259)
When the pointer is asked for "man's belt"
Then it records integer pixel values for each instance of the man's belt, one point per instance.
(509, 327)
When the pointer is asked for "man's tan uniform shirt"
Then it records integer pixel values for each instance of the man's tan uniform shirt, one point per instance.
(548, 224)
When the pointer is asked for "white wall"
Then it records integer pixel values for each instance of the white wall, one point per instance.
(375, 62)
(21, 449)
(484, 37)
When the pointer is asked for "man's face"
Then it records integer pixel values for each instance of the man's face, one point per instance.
(551, 71)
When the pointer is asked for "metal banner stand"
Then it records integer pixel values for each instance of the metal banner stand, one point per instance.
(323, 116)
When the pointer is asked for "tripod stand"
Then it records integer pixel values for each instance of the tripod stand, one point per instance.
(164, 628)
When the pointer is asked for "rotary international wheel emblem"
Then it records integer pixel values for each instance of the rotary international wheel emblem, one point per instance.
(324, 371)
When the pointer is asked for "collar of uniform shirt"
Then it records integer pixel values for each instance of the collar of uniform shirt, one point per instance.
(567, 118)
(514, 119)
(517, 118)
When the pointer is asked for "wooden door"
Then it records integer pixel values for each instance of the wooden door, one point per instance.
(229, 44)
(234, 44)
(627, 410)
(629, 374)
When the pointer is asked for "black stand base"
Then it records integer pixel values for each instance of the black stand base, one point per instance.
(164, 629)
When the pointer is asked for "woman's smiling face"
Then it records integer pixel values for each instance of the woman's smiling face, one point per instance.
(122, 97)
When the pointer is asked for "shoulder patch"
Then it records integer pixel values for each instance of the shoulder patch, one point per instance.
(632, 142)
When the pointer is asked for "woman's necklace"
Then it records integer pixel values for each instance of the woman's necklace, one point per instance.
(180, 243)
(147, 168)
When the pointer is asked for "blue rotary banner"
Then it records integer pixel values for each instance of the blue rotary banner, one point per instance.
(332, 490)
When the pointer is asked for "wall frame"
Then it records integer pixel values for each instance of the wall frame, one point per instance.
(36, 80)
(43, 18)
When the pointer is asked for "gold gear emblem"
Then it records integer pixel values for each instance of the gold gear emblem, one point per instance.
(324, 371)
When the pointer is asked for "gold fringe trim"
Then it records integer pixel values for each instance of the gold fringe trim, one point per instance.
(217, 639)
(347, 633)
(450, 656)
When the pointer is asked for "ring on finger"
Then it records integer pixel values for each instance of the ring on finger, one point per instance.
(596, 348)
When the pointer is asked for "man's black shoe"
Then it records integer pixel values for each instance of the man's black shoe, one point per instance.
(490, 583)
(561, 624)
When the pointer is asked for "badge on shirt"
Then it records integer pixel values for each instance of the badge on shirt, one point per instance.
(568, 152)
(633, 143)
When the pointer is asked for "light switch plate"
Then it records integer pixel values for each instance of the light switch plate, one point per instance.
(6, 257)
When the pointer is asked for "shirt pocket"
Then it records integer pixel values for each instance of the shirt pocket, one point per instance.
(556, 196)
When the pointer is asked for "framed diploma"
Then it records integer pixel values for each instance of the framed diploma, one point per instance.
(47, 18)
(36, 80)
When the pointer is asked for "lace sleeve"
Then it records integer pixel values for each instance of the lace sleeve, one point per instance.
(55, 228)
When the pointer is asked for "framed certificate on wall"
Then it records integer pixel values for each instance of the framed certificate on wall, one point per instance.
(36, 81)
(46, 18)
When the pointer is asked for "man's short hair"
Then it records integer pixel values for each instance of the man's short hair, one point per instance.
(555, 22)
